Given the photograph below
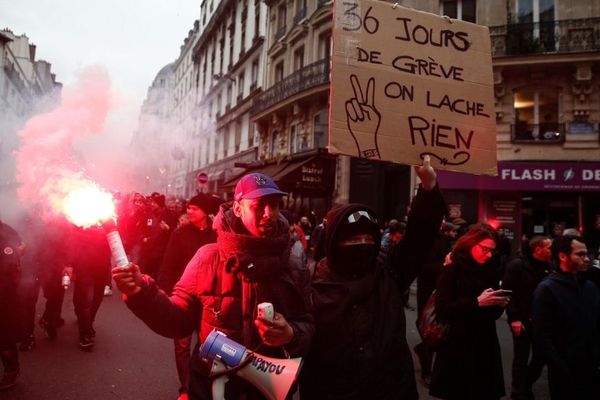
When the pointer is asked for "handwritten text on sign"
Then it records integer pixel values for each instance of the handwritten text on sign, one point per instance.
(406, 84)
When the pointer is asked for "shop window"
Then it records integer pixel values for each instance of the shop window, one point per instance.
(459, 9)
(536, 116)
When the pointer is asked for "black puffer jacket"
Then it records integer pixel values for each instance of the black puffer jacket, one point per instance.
(211, 295)
(360, 349)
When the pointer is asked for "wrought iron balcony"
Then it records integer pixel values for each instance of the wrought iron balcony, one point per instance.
(305, 78)
(566, 36)
(280, 32)
(548, 132)
(300, 15)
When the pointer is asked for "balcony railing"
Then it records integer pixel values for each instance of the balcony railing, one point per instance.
(549, 132)
(566, 36)
(300, 15)
(305, 78)
(280, 32)
(321, 3)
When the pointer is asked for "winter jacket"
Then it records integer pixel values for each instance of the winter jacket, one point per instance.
(566, 317)
(522, 276)
(360, 349)
(211, 295)
(183, 244)
(469, 365)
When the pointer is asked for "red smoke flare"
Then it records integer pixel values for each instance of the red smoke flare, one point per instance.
(48, 168)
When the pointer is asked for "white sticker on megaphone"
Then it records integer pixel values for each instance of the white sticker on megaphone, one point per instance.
(266, 311)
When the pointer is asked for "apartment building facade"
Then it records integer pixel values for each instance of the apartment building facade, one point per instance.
(27, 86)
(546, 60)
(228, 62)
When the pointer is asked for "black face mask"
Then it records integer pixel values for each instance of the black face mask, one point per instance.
(354, 260)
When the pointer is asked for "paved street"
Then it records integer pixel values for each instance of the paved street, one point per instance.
(131, 362)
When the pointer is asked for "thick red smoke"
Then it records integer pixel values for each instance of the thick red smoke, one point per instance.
(48, 168)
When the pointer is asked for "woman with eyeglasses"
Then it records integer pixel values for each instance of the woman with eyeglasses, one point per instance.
(469, 365)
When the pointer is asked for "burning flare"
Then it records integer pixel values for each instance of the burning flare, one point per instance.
(88, 205)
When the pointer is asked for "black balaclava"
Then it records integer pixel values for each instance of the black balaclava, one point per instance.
(357, 259)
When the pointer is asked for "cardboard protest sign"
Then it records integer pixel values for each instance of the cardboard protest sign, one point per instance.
(405, 84)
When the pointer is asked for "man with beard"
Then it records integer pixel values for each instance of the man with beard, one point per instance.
(566, 317)
(224, 282)
(360, 349)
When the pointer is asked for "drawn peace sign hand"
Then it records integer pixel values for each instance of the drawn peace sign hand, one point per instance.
(363, 118)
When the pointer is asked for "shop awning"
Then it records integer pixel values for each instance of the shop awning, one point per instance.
(311, 174)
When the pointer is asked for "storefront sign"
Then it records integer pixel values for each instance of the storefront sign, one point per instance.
(406, 84)
(505, 215)
(529, 176)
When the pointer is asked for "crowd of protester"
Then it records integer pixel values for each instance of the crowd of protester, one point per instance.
(339, 287)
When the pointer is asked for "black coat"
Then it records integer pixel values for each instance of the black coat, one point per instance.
(9, 281)
(566, 316)
(522, 276)
(360, 349)
(469, 365)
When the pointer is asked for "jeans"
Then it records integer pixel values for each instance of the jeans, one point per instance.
(182, 361)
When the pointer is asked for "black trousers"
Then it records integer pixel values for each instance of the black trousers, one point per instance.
(53, 293)
(524, 371)
(87, 297)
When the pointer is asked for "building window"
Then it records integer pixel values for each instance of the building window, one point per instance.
(240, 93)
(299, 58)
(275, 143)
(243, 27)
(325, 46)
(212, 60)
(250, 134)
(238, 136)
(536, 115)
(320, 129)
(536, 24)
(256, 18)
(229, 93)
(294, 138)
(460, 9)
(281, 15)
(254, 82)
(279, 72)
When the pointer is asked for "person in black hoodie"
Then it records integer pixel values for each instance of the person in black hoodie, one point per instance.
(522, 276)
(183, 244)
(566, 317)
(360, 349)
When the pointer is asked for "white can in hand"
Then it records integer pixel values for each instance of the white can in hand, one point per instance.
(266, 311)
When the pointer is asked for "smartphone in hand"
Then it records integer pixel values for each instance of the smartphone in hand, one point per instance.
(504, 292)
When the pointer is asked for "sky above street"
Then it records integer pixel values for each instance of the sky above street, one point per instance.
(132, 39)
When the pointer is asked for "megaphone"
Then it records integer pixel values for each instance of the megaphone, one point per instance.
(272, 376)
